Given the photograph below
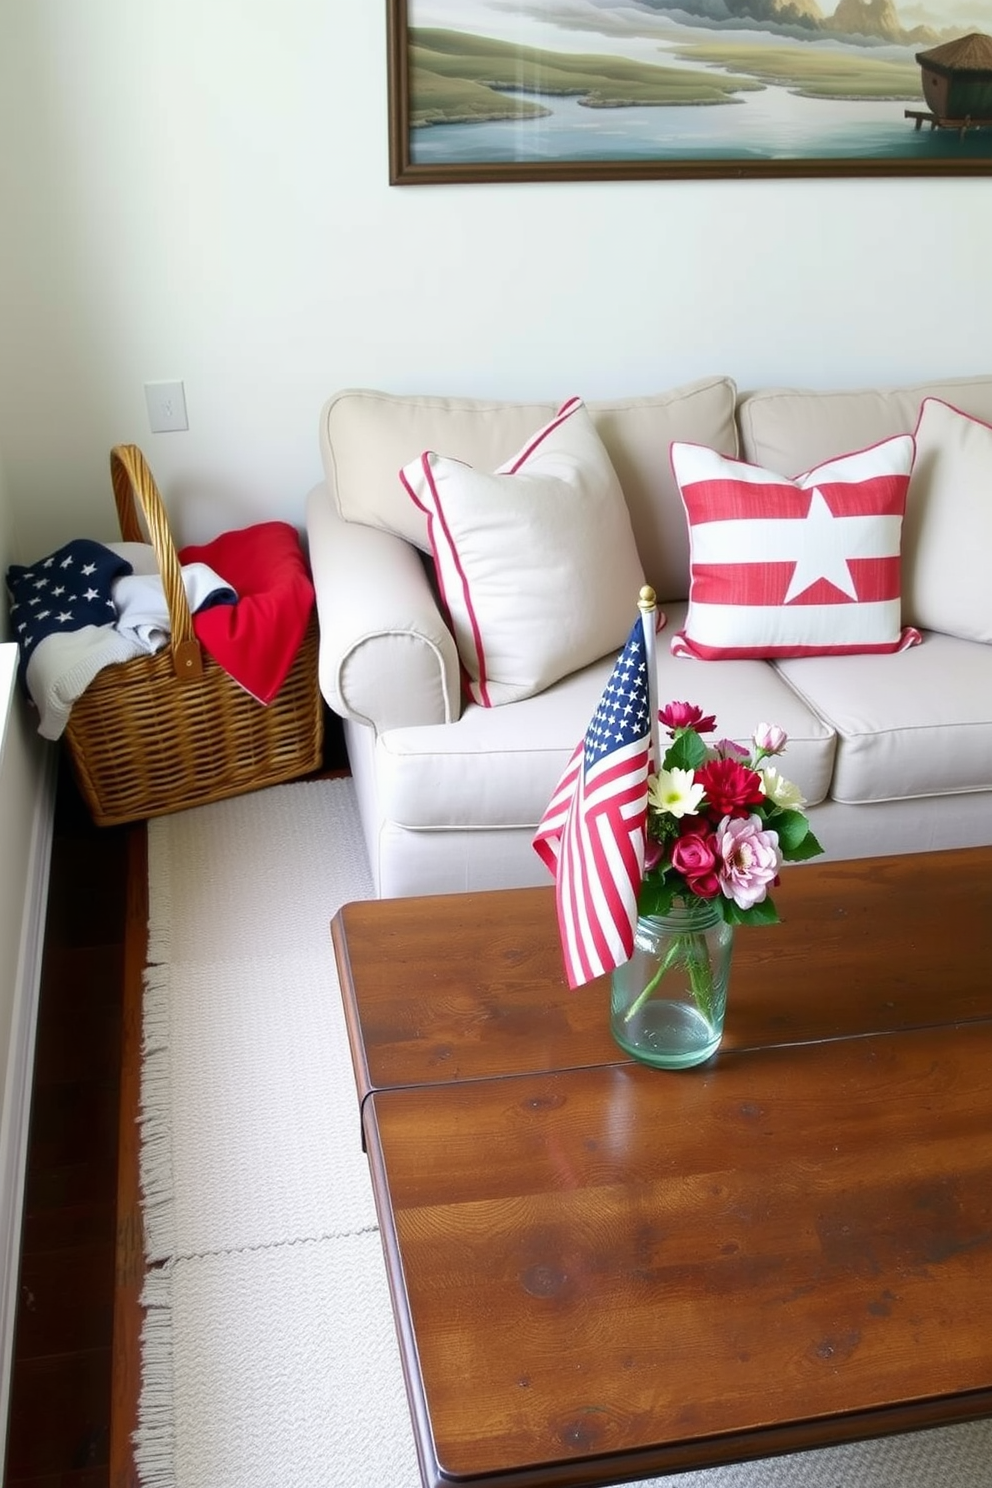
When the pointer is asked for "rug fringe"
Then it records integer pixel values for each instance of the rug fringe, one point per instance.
(159, 893)
(155, 1158)
(155, 1438)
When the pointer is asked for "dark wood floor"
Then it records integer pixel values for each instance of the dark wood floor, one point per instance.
(59, 1428)
(74, 1382)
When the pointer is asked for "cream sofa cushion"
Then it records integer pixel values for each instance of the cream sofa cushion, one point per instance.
(910, 725)
(948, 525)
(367, 437)
(792, 429)
(501, 765)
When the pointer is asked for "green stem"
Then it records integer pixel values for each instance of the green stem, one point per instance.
(668, 960)
(690, 948)
(700, 976)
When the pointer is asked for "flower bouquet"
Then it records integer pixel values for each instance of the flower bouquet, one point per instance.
(721, 821)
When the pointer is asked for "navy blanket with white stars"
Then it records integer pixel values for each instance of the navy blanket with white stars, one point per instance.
(70, 588)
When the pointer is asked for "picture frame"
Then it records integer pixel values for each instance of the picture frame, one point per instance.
(481, 91)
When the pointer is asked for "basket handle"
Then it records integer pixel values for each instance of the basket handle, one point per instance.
(134, 483)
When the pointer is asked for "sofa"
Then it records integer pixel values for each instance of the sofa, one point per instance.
(891, 745)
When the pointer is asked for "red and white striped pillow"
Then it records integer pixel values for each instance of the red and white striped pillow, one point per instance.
(536, 562)
(802, 567)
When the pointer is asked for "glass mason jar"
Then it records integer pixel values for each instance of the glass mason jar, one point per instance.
(668, 1001)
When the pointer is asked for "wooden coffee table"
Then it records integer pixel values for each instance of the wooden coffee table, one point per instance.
(600, 1270)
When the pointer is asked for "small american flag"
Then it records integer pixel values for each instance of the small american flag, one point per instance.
(592, 835)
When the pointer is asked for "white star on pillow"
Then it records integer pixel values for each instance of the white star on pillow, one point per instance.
(825, 541)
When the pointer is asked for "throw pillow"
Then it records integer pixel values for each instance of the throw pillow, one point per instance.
(536, 562)
(801, 567)
(948, 537)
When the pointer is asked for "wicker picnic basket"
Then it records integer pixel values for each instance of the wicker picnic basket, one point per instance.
(164, 732)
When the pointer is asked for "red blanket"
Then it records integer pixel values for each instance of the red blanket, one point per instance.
(256, 640)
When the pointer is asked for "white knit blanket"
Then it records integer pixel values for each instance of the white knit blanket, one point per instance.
(268, 1353)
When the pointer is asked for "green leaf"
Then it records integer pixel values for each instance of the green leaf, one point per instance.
(686, 752)
(794, 836)
(764, 913)
(791, 827)
(656, 896)
(808, 848)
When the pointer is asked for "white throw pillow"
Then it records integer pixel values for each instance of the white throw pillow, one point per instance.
(536, 562)
(948, 529)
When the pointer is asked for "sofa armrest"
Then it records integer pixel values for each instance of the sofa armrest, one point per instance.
(386, 656)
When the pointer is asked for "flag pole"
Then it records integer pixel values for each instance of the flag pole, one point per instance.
(647, 603)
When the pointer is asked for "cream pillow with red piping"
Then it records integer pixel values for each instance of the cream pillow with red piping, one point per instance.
(948, 543)
(803, 567)
(536, 562)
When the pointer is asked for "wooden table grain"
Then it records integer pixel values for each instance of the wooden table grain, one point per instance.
(602, 1270)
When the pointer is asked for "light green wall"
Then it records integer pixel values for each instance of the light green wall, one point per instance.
(199, 190)
(8, 553)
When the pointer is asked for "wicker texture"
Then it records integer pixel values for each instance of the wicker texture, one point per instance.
(165, 732)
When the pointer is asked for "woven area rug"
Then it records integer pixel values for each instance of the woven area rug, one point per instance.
(268, 1351)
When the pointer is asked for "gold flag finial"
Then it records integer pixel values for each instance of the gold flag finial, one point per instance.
(647, 599)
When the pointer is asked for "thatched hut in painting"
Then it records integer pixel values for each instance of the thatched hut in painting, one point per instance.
(957, 79)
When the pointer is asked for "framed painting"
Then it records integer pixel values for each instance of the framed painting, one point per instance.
(516, 90)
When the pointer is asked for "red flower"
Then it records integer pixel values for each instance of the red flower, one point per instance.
(694, 855)
(686, 716)
(731, 788)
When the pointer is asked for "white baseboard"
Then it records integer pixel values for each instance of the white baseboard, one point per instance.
(15, 1105)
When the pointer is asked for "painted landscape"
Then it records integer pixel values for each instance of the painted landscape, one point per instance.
(499, 80)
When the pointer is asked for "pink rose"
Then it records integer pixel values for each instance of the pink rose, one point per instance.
(727, 749)
(694, 855)
(770, 739)
(751, 859)
(686, 716)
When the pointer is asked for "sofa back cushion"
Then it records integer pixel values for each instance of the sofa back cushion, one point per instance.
(792, 429)
(367, 437)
